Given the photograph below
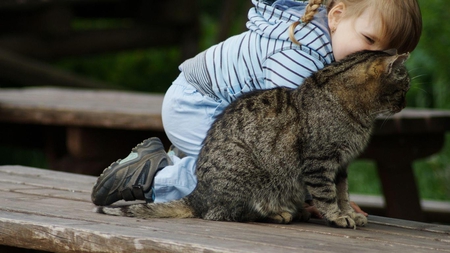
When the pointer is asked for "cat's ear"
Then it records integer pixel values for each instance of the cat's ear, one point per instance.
(395, 60)
(392, 51)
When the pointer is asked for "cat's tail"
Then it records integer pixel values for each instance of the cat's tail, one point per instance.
(172, 209)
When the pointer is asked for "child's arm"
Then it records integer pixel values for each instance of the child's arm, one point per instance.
(289, 68)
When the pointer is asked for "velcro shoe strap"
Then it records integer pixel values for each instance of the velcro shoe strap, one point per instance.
(133, 194)
(127, 194)
(138, 192)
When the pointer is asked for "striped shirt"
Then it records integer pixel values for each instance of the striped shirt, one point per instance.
(262, 57)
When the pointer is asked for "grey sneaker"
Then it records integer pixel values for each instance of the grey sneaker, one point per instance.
(132, 177)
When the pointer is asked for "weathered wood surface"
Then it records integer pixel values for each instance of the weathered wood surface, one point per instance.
(51, 211)
(133, 110)
(435, 211)
(87, 108)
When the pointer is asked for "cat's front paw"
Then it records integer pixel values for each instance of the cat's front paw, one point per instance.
(343, 222)
(360, 220)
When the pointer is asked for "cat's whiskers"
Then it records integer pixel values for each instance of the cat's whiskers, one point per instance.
(384, 121)
(414, 69)
(417, 85)
(384, 114)
(418, 76)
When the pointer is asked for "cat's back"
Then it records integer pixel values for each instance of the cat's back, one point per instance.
(256, 111)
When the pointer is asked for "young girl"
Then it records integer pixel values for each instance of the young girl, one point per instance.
(286, 42)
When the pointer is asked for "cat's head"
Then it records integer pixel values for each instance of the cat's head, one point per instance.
(373, 81)
(395, 83)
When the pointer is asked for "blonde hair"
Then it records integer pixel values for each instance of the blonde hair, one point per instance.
(401, 20)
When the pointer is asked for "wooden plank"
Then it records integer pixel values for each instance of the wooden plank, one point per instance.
(121, 234)
(90, 108)
(128, 110)
(414, 121)
(23, 175)
(34, 215)
(430, 207)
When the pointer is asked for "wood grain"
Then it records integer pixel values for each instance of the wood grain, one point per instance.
(51, 211)
(87, 108)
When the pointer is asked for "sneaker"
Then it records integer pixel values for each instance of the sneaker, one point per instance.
(131, 178)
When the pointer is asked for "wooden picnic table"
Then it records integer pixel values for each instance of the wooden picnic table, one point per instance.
(85, 130)
(51, 211)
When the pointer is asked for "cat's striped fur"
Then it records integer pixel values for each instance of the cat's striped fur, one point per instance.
(268, 148)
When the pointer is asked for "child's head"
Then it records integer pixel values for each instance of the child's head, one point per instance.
(370, 24)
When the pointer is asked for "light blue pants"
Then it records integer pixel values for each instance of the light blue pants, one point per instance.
(187, 115)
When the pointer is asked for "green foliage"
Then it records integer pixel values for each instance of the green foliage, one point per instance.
(432, 176)
(430, 89)
(363, 178)
(150, 70)
(429, 62)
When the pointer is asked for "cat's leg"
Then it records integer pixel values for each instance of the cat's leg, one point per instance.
(344, 201)
(319, 179)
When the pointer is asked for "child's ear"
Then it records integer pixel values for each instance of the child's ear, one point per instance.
(335, 15)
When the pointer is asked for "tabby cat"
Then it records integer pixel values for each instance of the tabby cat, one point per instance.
(270, 147)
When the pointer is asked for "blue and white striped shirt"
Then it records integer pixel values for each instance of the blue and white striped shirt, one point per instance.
(263, 57)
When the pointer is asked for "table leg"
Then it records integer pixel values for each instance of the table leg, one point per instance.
(400, 190)
(394, 155)
(90, 150)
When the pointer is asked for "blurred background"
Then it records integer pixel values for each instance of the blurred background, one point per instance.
(138, 45)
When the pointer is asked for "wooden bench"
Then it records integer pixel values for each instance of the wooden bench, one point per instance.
(51, 211)
(84, 131)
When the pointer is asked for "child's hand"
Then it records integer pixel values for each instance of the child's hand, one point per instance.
(358, 209)
(313, 211)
